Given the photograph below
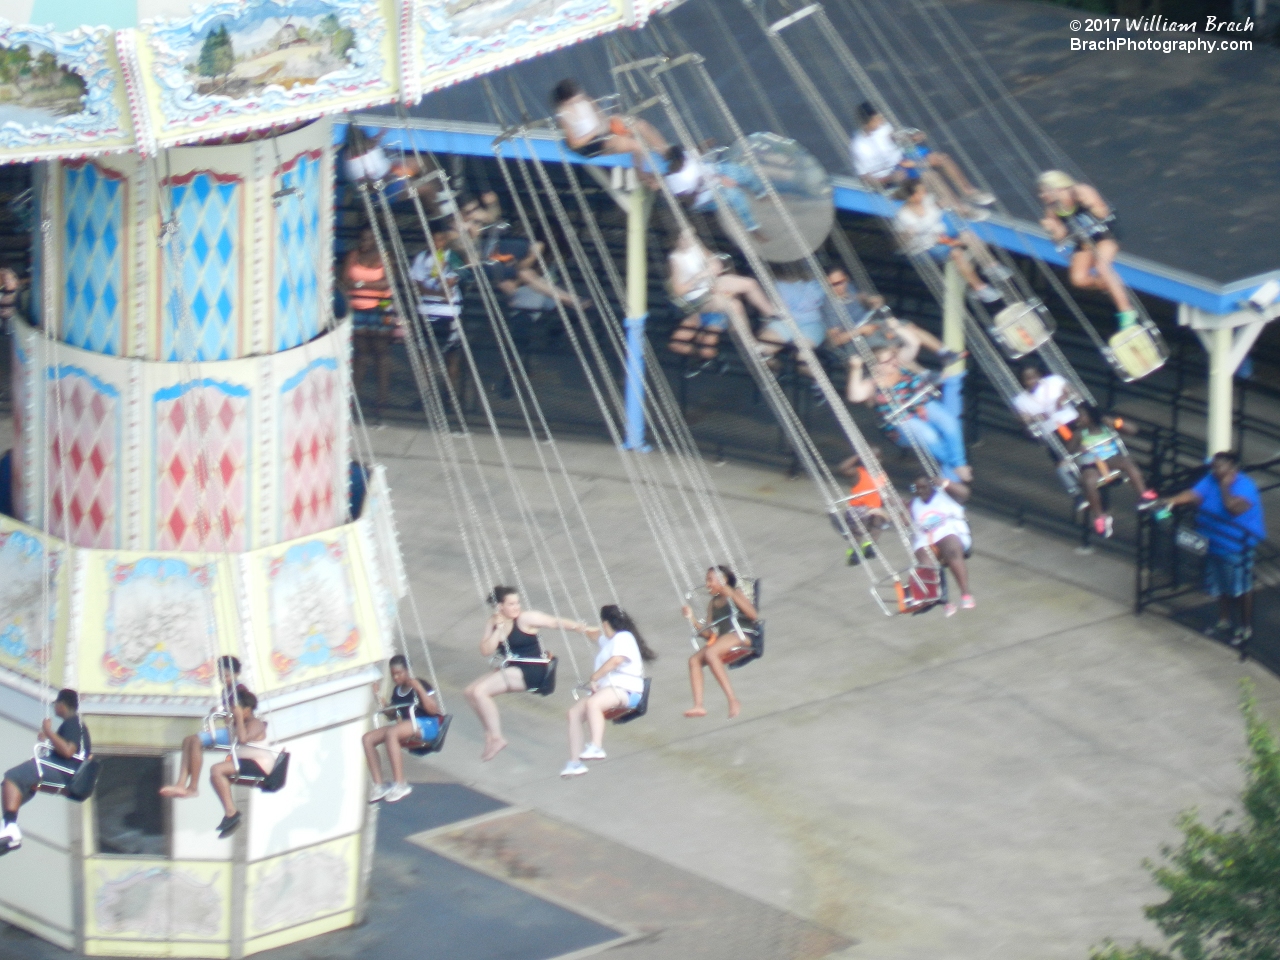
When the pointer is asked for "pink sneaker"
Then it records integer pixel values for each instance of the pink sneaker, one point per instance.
(966, 602)
(950, 609)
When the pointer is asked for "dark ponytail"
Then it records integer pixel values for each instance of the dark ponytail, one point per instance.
(619, 620)
(730, 580)
(501, 593)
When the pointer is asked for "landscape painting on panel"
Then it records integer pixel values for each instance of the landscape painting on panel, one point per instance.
(35, 88)
(269, 45)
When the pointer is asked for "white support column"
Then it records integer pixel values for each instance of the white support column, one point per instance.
(953, 317)
(1227, 338)
(1221, 389)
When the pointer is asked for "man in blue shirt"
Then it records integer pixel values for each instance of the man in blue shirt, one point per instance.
(1230, 517)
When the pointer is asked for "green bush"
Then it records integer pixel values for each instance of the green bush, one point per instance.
(1223, 882)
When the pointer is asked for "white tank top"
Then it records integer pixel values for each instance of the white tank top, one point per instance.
(687, 263)
(581, 119)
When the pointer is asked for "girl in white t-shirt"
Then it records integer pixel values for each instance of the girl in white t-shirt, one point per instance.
(943, 531)
(589, 132)
(616, 683)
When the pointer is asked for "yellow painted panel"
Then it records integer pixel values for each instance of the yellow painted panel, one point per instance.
(312, 612)
(304, 932)
(36, 574)
(155, 948)
(289, 890)
(127, 899)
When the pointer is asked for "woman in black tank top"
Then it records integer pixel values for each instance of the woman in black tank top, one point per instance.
(513, 631)
(1076, 211)
(728, 604)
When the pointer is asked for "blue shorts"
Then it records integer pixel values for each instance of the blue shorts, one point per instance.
(222, 738)
(428, 728)
(940, 253)
(633, 699)
(1229, 574)
(375, 319)
(718, 322)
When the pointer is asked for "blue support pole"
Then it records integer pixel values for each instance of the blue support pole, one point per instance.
(635, 383)
(637, 311)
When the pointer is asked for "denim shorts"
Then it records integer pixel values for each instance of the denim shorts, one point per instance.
(428, 728)
(1229, 574)
(633, 699)
(222, 738)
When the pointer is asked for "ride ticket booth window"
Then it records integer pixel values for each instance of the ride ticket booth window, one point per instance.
(129, 813)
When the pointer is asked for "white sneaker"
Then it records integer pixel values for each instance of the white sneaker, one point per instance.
(398, 792)
(592, 752)
(379, 792)
(12, 836)
(989, 295)
(574, 768)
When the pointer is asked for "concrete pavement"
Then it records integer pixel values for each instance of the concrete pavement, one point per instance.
(985, 786)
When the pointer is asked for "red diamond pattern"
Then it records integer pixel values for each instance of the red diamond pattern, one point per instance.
(82, 420)
(201, 491)
(310, 428)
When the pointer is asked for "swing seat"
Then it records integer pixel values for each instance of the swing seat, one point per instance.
(921, 591)
(548, 685)
(627, 714)
(416, 745)
(750, 646)
(1137, 351)
(268, 782)
(1022, 328)
(60, 778)
(1107, 474)
(420, 748)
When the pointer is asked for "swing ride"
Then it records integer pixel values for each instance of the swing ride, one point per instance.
(186, 423)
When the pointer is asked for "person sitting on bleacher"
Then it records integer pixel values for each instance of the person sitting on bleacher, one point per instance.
(879, 160)
(440, 296)
(923, 230)
(511, 263)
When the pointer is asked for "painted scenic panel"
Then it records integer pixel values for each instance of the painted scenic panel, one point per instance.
(59, 92)
(462, 38)
(241, 64)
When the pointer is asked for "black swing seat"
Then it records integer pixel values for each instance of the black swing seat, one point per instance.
(627, 714)
(548, 685)
(750, 645)
(416, 745)
(267, 783)
(72, 778)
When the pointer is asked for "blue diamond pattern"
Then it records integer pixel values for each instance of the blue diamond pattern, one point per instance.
(208, 215)
(297, 286)
(93, 259)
